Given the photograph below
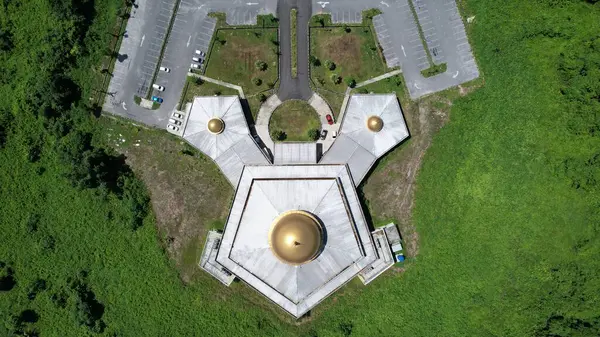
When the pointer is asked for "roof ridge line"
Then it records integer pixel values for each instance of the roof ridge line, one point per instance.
(324, 195)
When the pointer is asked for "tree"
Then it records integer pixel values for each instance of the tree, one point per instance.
(199, 81)
(330, 65)
(347, 29)
(135, 194)
(313, 134)
(319, 20)
(261, 65)
(350, 82)
(257, 81)
(262, 98)
(36, 287)
(7, 279)
(336, 79)
(314, 61)
(278, 135)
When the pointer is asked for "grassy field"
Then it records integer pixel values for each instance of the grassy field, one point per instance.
(235, 53)
(295, 118)
(353, 50)
(294, 39)
(506, 206)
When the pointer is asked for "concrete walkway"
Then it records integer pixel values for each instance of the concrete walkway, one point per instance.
(323, 109)
(262, 120)
(379, 78)
(225, 84)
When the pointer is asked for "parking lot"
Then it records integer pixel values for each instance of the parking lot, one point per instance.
(429, 32)
(243, 12)
(398, 33)
(192, 30)
(140, 50)
(155, 43)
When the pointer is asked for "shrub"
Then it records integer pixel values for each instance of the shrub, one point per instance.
(314, 61)
(347, 29)
(261, 65)
(199, 81)
(217, 92)
(350, 82)
(278, 135)
(257, 81)
(336, 79)
(330, 65)
(313, 134)
(262, 98)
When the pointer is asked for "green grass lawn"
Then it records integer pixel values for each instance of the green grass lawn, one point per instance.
(334, 99)
(202, 88)
(354, 53)
(293, 37)
(295, 118)
(234, 55)
(394, 84)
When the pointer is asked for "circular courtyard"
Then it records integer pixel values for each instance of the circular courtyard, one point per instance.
(294, 121)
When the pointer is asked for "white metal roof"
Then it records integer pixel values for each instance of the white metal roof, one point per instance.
(231, 149)
(360, 147)
(295, 153)
(208, 262)
(326, 191)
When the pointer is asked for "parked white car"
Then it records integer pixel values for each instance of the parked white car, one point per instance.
(194, 66)
(177, 115)
(200, 52)
(196, 59)
(165, 69)
(174, 121)
(158, 87)
(172, 127)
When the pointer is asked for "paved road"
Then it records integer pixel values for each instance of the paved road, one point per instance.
(294, 88)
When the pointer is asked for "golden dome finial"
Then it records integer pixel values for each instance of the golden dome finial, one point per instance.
(374, 123)
(296, 237)
(215, 125)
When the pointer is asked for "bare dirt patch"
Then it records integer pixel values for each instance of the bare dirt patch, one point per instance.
(344, 50)
(189, 194)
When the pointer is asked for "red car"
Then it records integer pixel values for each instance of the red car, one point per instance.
(329, 119)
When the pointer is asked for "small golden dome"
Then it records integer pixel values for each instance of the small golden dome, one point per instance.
(296, 237)
(375, 123)
(215, 125)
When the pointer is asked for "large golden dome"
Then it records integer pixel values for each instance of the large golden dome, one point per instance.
(215, 125)
(375, 123)
(296, 237)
